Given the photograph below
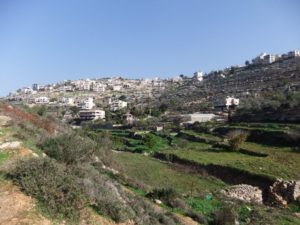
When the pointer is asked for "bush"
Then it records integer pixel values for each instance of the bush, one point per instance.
(236, 138)
(48, 181)
(225, 216)
(71, 149)
(149, 140)
(167, 195)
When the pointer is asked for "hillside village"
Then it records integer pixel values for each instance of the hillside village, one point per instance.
(217, 91)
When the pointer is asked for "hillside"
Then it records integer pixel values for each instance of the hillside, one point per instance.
(240, 82)
(51, 174)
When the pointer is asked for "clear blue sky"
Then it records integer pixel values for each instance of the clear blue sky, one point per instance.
(45, 41)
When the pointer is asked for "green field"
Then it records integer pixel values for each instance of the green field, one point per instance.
(156, 174)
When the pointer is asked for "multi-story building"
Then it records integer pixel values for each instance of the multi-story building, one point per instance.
(294, 53)
(87, 103)
(67, 101)
(92, 114)
(41, 100)
(270, 58)
(118, 104)
(98, 87)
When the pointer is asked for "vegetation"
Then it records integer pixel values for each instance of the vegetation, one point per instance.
(80, 170)
(236, 138)
(274, 104)
(51, 184)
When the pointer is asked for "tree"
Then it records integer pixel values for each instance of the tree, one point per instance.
(247, 63)
(75, 110)
(236, 138)
(122, 98)
(163, 107)
(149, 140)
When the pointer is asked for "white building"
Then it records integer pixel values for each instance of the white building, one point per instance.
(176, 79)
(117, 88)
(67, 88)
(294, 53)
(68, 101)
(231, 101)
(270, 58)
(87, 103)
(198, 76)
(41, 100)
(259, 59)
(118, 104)
(27, 90)
(198, 117)
(92, 114)
(98, 87)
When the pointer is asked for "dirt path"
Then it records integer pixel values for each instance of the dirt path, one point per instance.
(17, 208)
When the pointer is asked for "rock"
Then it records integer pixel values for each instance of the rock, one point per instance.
(284, 192)
(244, 192)
(157, 201)
(10, 145)
(35, 155)
(5, 121)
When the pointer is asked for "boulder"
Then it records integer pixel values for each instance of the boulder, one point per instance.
(284, 192)
(10, 145)
(244, 192)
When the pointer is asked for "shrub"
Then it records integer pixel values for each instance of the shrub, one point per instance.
(47, 181)
(149, 140)
(225, 216)
(236, 138)
(71, 149)
(167, 195)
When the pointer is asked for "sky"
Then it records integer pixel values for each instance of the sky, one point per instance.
(46, 41)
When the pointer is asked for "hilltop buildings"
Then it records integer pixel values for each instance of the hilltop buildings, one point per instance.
(265, 58)
(198, 76)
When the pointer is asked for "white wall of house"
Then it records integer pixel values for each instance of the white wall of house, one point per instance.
(87, 103)
(118, 104)
(198, 76)
(41, 100)
(92, 114)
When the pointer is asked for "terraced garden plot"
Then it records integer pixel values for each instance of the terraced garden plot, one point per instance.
(277, 164)
(157, 174)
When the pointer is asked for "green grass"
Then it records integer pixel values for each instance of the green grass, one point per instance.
(2, 132)
(280, 162)
(265, 148)
(203, 205)
(265, 126)
(122, 141)
(3, 157)
(156, 174)
(206, 136)
(180, 143)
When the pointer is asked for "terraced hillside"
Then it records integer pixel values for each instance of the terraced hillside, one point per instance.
(240, 82)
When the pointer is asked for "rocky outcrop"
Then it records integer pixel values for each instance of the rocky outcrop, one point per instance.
(10, 145)
(244, 192)
(284, 192)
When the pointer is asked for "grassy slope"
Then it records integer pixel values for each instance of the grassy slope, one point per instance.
(157, 174)
(281, 162)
